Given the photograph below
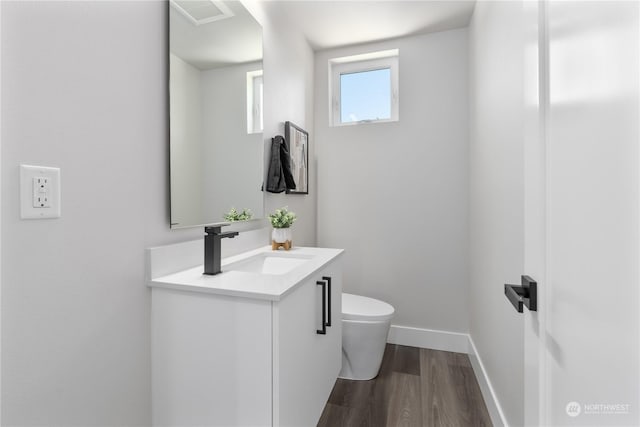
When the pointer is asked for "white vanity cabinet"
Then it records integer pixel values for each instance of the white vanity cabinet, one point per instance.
(306, 362)
(222, 358)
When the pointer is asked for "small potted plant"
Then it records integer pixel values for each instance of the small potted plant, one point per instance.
(234, 215)
(281, 220)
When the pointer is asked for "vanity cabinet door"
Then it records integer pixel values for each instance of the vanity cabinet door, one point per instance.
(211, 360)
(306, 363)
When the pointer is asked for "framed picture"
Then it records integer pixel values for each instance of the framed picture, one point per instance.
(298, 143)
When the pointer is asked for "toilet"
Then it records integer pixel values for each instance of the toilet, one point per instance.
(365, 326)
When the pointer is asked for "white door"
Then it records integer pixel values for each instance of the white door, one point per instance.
(582, 212)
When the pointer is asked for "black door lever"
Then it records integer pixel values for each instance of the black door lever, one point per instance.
(526, 294)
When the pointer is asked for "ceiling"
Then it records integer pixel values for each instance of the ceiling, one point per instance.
(229, 41)
(325, 23)
(329, 23)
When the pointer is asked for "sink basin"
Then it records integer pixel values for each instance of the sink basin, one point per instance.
(267, 263)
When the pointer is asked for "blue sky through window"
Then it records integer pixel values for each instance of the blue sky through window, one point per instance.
(365, 95)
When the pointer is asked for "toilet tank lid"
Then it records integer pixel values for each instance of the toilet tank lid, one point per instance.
(358, 307)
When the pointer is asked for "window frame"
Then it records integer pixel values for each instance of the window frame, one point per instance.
(255, 82)
(388, 59)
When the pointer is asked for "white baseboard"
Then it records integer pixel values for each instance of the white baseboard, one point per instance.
(429, 338)
(490, 398)
(458, 343)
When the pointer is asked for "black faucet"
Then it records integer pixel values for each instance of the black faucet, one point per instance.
(212, 248)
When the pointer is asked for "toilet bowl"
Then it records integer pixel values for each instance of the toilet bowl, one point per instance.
(365, 326)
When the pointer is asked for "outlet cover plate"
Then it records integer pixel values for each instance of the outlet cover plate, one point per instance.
(28, 210)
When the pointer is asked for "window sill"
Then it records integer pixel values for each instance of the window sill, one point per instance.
(364, 122)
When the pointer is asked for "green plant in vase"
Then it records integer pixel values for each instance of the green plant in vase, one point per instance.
(281, 221)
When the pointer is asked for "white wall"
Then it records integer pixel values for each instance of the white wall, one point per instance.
(224, 110)
(288, 94)
(84, 89)
(394, 195)
(209, 106)
(186, 143)
(496, 196)
(75, 313)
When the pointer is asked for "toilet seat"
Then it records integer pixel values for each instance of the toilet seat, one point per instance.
(357, 307)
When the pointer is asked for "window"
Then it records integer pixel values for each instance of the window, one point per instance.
(364, 88)
(254, 101)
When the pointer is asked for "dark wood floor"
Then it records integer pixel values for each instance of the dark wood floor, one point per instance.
(415, 387)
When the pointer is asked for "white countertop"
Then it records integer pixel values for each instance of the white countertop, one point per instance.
(250, 285)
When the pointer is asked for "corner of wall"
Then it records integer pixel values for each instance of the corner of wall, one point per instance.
(288, 96)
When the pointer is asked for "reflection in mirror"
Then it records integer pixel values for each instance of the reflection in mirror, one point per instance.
(215, 109)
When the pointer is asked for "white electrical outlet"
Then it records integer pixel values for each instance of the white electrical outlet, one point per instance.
(39, 192)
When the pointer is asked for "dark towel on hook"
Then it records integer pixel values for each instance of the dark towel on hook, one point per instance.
(280, 177)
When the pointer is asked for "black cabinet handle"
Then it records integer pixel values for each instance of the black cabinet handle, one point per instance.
(323, 331)
(526, 295)
(328, 280)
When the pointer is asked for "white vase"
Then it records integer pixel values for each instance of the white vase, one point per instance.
(281, 236)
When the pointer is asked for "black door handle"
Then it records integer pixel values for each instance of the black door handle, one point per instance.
(323, 331)
(526, 294)
(328, 279)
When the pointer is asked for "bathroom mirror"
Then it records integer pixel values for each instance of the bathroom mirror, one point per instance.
(215, 112)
